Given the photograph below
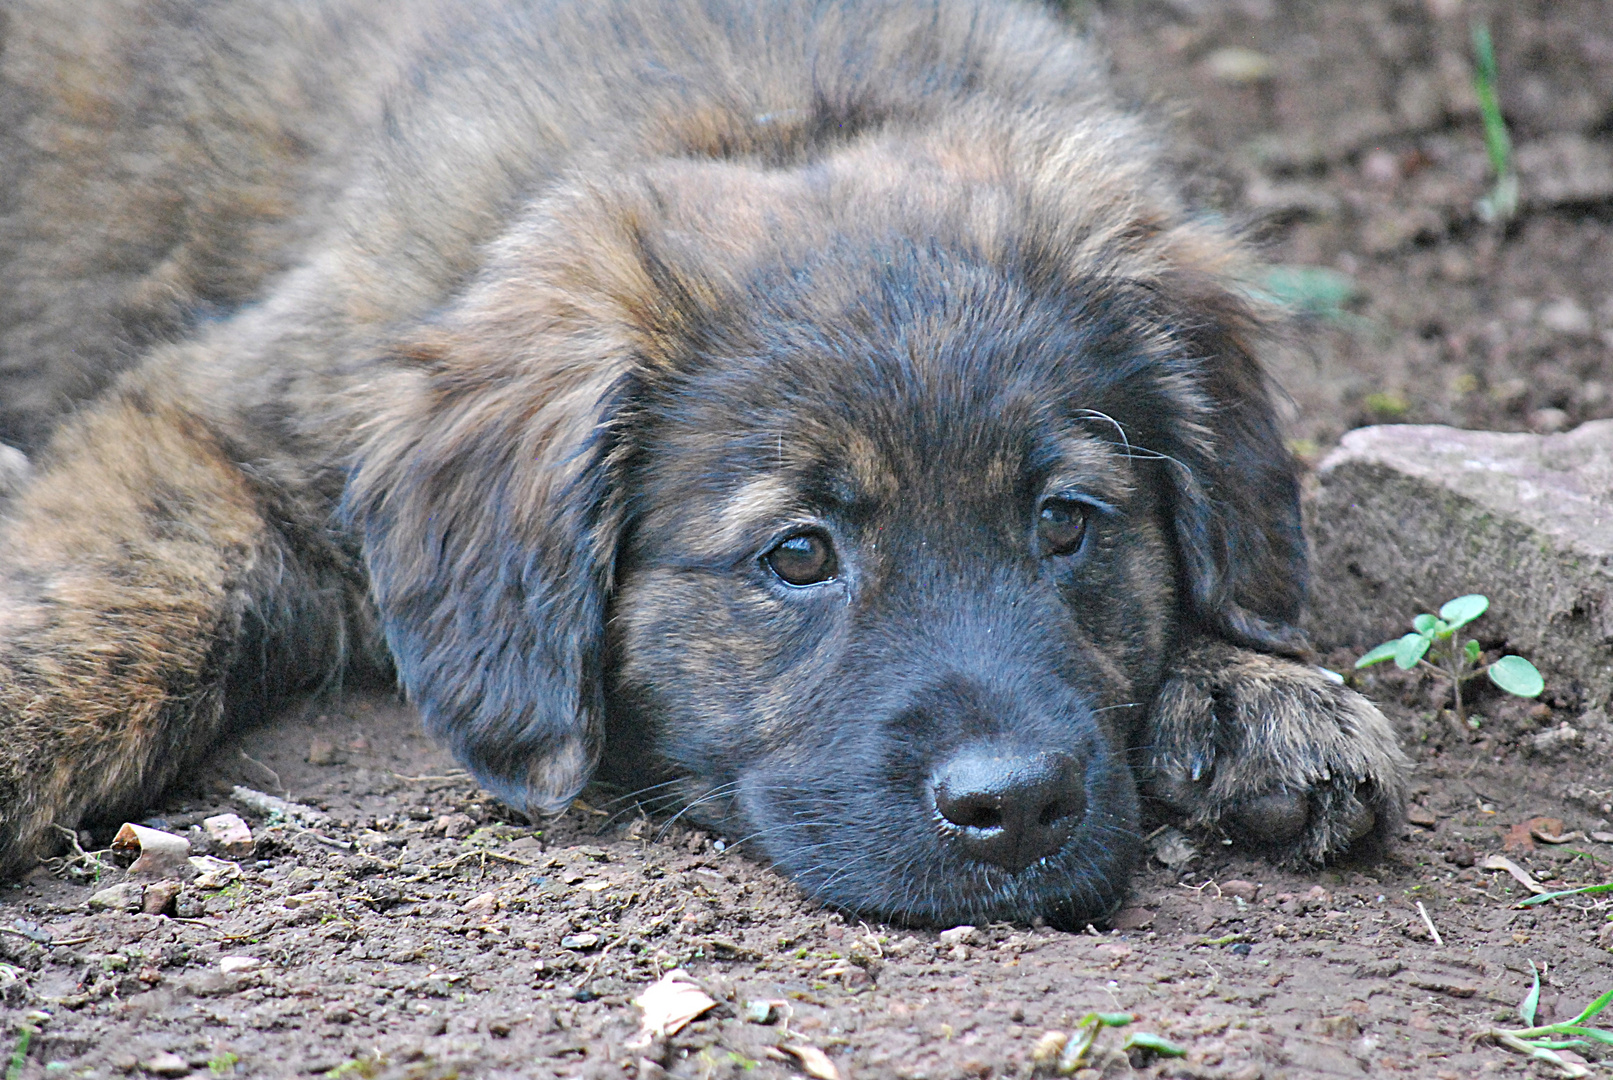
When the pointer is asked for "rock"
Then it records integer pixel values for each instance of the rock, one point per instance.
(230, 835)
(159, 897)
(959, 935)
(234, 965)
(1239, 66)
(125, 897)
(1564, 316)
(1565, 168)
(322, 751)
(484, 905)
(1406, 517)
(166, 1064)
(1243, 890)
(1558, 738)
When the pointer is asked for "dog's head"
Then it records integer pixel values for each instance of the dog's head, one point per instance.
(864, 499)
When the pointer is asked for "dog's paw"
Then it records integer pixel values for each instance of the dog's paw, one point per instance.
(1274, 753)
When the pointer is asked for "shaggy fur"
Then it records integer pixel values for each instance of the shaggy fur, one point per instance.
(516, 348)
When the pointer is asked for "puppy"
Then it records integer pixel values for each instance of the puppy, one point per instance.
(830, 408)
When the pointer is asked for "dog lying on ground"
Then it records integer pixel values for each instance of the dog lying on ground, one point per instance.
(828, 408)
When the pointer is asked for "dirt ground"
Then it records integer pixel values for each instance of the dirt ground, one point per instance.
(397, 922)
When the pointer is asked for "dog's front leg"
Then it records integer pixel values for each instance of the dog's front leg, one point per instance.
(1273, 752)
(143, 578)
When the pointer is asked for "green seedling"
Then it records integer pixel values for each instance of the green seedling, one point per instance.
(19, 1053)
(1432, 645)
(223, 1063)
(1502, 201)
(1583, 890)
(1075, 1052)
(1543, 1041)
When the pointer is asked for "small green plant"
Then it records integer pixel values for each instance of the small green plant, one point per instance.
(1544, 1041)
(1434, 636)
(223, 1063)
(19, 1053)
(1502, 201)
(1058, 1054)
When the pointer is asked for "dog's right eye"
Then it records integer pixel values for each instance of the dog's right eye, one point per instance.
(803, 559)
(1062, 526)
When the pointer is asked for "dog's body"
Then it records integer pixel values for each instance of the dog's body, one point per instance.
(827, 406)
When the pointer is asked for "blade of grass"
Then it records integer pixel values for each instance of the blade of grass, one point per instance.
(1531, 1000)
(1606, 886)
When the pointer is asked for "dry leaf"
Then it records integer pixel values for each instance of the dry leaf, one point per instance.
(1501, 862)
(161, 853)
(670, 1003)
(1518, 838)
(814, 1062)
(1544, 828)
(213, 873)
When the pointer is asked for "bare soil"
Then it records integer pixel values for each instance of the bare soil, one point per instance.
(420, 930)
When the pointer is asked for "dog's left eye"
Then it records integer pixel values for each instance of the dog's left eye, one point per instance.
(1062, 526)
(803, 559)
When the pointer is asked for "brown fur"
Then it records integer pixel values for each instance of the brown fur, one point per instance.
(409, 301)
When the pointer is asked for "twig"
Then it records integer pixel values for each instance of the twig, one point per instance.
(1433, 932)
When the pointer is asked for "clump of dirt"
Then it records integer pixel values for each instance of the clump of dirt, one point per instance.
(395, 921)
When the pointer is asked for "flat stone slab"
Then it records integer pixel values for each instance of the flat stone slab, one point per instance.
(1405, 517)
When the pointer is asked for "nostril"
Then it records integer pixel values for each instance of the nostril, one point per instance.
(970, 812)
(1059, 809)
(1011, 809)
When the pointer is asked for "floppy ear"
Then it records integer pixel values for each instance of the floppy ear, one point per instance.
(1236, 514)
(483, 499)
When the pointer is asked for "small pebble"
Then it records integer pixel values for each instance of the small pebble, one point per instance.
(125, 897)
(229, 835)
(485, 904)
(1243, 890)
(166, 1064)
(321, 751)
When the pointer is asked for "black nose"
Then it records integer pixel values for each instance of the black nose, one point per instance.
(1011, 809)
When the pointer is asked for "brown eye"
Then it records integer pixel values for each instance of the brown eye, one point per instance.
(805, 559)
(1062, 526)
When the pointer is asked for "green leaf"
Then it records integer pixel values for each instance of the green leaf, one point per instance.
(1594, 1034)
(1472, 651)
(1424, 623)
(1410, 649)
(1545, 898)
(1516, 675)
(1531, 1000)
(1593, 1008)
(1158, 1044)
(1378, 654)
(1464, 609)
(1115, 1019)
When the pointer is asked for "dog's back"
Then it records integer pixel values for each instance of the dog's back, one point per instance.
(164, 163)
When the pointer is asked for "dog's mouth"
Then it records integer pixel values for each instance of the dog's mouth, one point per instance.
(993, 833)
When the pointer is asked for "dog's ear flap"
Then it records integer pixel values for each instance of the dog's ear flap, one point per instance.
(483, 501)
(1236, 486)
